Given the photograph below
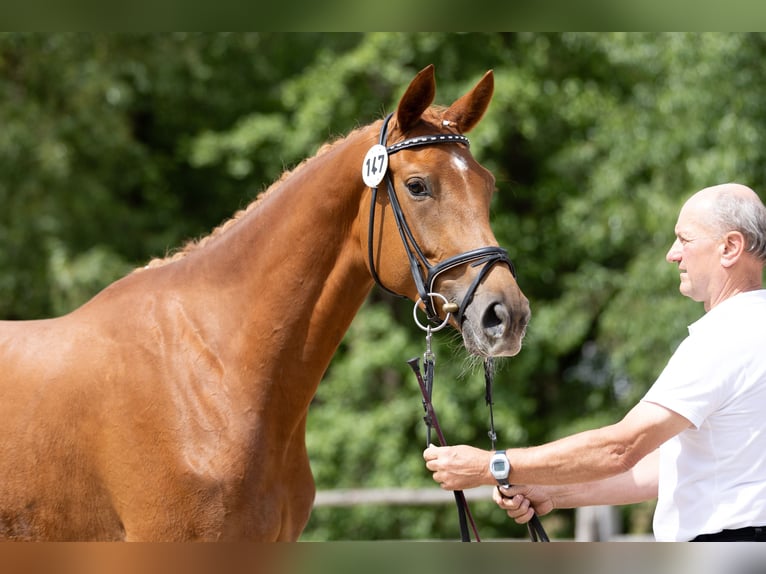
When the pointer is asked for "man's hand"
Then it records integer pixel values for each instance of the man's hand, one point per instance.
(458, 467)
(522, 502)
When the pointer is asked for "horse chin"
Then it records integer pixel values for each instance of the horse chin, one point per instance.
(479, 345)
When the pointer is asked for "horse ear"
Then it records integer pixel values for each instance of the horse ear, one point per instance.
(469, 109)
(419, 95)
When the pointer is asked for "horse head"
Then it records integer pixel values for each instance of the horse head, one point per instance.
(432, 234)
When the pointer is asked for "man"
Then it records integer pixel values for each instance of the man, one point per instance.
(697, 440)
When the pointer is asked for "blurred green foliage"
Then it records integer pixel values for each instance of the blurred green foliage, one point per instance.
(115, 148)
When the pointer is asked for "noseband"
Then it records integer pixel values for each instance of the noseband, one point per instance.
(423, 272)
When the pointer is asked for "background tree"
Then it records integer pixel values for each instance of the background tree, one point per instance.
(117, 148)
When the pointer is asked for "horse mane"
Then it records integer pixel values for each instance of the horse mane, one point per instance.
(432, 114)
(199, 243)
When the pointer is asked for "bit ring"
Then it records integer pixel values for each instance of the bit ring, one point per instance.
(428, 328)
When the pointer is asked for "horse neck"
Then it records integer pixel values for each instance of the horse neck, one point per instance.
(293, 268)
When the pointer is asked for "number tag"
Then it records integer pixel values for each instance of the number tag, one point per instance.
(375, 165)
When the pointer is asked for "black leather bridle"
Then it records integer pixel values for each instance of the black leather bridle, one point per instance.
(423, 272)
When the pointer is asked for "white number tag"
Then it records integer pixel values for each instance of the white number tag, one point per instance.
(375, 165)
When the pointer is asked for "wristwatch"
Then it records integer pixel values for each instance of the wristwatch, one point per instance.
(500, 467)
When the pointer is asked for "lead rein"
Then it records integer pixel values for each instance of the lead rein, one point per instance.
(536, 531)
(534, 526)
(464, 512)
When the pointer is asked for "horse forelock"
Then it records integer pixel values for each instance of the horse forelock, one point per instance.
(430, 122)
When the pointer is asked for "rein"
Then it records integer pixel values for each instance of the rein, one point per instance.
(423, 272)
(432, 422)
(374, 171)
(534, 526)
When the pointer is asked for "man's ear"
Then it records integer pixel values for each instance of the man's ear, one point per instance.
(732, 248)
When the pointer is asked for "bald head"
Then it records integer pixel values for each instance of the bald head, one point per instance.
(733, 189)
(733, 207)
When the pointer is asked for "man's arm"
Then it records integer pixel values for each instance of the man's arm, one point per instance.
(584, 457)
(638, 484)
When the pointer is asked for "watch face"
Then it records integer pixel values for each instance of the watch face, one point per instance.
(499, 466)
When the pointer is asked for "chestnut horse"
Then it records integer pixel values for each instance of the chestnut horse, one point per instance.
(172, 405)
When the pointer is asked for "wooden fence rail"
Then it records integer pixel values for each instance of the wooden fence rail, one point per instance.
(592, 523)
(396, 496)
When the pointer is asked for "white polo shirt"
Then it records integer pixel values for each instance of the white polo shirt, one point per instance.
(713, 476)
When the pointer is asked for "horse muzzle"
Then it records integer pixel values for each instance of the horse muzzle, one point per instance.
(494, 324)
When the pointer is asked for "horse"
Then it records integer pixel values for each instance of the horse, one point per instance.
(172, 405)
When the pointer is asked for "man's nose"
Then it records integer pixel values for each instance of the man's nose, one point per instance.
(674, 253)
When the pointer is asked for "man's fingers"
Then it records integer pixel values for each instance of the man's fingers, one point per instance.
(523, 518)
(515, 506)
(430, 453)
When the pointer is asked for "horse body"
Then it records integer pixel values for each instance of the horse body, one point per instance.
(170, 370)
(172, 406)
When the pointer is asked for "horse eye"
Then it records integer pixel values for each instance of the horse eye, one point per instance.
(417, 187)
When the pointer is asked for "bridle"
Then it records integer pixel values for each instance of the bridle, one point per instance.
(424, 275)
(423, 272)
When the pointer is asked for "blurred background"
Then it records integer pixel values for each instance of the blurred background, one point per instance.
(115, 148)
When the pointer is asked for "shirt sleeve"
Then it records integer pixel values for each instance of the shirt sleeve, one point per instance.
(691, 383)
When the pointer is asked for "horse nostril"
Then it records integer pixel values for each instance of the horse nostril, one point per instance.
(495, 320)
